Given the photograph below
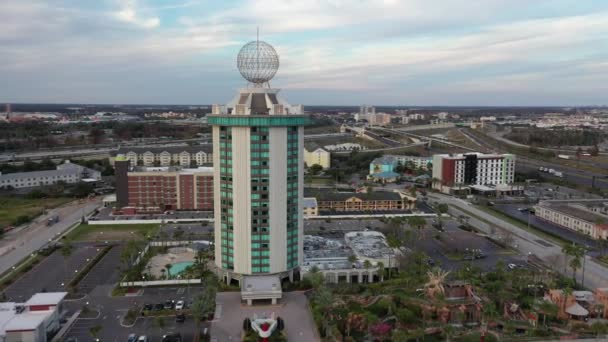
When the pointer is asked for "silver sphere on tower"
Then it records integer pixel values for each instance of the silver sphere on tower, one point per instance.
(258, 62)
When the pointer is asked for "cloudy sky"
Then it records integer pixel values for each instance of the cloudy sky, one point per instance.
(391, 52)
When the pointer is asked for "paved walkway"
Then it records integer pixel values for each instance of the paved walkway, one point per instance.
(293, 308)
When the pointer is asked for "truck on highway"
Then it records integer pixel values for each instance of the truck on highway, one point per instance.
(52, 220)
(563, 156)
(559, 174)
(551, 171)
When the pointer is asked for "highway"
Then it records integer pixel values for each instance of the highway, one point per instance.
(17, 245)
(571, 174)
(596, 275)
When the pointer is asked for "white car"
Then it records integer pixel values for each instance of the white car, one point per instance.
(143, 338)
(179, 305)
(511, 266)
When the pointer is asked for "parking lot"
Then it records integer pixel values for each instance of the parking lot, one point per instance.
(106, 271)
(452, 248)
(106, 214)
(448, 251)
(112, 309)
(188, 231)
(52, 274)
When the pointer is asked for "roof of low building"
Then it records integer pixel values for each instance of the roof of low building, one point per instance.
(312, 146)
(370, 196)
(26, 321)
(309, 202)
(570, 208)
(46, 298)
(384, 160)
(386, 175)
(577, 310)
(261, 283)
(207, 148)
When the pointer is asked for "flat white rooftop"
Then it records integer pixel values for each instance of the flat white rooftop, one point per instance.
(46, 298)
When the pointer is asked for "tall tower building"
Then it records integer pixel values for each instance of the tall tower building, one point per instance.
(258, 174)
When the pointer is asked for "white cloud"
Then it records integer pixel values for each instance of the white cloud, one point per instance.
(129, 14)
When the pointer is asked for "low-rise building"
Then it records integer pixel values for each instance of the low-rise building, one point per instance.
(373, 201)
(162, 188)
(388, 163)
(316, 154)
(339, 262)
(67, 173)
(182, 155)
(309, 207)
(33, 320)
(589, 217)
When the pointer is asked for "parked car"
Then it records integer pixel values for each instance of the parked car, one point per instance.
(179, 305)
(143, 338)
(148, 307)
(172, 337)
(132, 338)
(180, 318)
(158, 307)
(512, 266)
(168, 305)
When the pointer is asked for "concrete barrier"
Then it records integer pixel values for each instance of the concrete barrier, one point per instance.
(185, 220)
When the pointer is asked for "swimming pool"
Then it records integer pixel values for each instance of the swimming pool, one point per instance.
(180, 267)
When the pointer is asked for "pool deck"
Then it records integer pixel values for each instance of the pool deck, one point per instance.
(176, 255)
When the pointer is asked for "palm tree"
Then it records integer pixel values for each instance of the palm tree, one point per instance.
(547, 309)
(94, 331)
(380, 266)
(576, 252)
(417, 222)
(168, 268)
(203, 305)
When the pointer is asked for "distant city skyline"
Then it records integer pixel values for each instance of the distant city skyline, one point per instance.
(333, 52)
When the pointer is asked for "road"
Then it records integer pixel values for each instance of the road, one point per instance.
(596, 275)
(526, 164)
(16, 246)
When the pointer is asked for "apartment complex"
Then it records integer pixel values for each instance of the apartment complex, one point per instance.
(472, 169)
(162, 188)
(67, 173)
(316, 154)
(186, 156)
(589, 217)
(33, 320)
(379, 119)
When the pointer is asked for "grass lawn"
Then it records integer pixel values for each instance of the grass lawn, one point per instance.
(13, 207)
(112, 232)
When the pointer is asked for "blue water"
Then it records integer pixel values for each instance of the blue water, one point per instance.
(179, 267)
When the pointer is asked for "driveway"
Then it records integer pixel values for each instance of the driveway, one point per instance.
(293, 308)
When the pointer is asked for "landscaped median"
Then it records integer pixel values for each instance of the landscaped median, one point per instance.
(72, 285)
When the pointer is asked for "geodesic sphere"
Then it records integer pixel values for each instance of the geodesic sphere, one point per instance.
(258, 62)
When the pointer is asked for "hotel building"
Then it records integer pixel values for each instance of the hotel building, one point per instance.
(257, 151)
(158, 189)
(452, 171)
